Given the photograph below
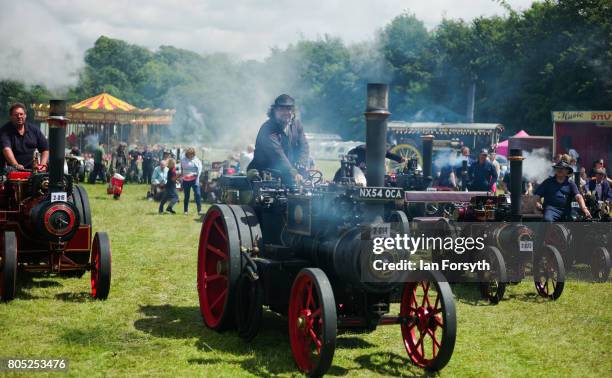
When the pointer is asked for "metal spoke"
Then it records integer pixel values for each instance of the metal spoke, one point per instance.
(214, 277)
(425, 293)
(220, 230)
(216, 251)
(316, 340)
(219, 298)
(309, 299)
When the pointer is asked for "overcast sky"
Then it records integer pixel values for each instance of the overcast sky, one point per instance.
(44, 40)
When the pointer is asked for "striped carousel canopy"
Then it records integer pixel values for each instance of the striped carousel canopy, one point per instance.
(104, 101)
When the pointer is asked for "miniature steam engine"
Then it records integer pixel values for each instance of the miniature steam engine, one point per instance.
(585, 241)
(45, 221)
(510, 245)
(298, 251)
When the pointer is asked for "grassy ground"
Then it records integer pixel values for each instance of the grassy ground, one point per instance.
(151, 324)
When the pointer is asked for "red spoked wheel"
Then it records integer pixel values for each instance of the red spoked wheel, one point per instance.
(312, 322)
(219, 267)
(549, 272)
(8, 266)
(600, 264)
(429, 325)
(492, 282)
(100, 266)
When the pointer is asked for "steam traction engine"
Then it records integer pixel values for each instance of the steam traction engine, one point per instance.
(298, 251)
(585, 241)
(511, 246)
(45, 221)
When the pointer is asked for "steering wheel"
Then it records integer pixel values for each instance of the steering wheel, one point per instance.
(314, 177)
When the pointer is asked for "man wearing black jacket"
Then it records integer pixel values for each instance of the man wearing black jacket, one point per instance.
(281, 144)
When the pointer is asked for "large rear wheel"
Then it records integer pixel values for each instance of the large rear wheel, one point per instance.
(312, 322)
(219, 267)
(429, 325)
(8, 266)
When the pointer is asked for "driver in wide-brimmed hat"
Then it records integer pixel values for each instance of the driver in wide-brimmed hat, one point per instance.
(281, 144)
(558, 193)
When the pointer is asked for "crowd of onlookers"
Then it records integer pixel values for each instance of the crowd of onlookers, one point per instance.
(168, 171)
(171, 170)
(487, 174)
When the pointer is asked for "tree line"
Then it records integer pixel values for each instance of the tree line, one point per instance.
(556, 55)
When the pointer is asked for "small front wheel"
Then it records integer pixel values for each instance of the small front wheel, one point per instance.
(429, 326)
(100, 266)
(8, 266)
(493, 281)
(549, 272)
(600, 264)
(312, 322)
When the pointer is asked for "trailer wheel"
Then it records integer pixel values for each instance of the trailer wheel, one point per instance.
(219, 267)
(601, 264)
(312, 322)
(493, 282)
(429, 325)
(8, 266)
(100, 266)
(549, 272)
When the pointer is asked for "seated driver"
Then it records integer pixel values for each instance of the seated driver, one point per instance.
(20, 139)
(281, 144)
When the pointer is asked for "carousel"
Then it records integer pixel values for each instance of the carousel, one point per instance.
(109, 119)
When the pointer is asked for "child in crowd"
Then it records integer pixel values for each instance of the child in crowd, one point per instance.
(170, 194)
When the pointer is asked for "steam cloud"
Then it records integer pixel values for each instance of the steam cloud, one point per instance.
(36, 48)
(537, 165)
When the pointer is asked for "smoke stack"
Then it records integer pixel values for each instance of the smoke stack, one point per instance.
(464, 175)
(470, 102)
(57, 143)
(427, 141)
(516, 178)
(376, 115)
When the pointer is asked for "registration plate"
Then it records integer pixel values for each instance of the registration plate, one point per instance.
(380, 230)
(377, 193)
(526, 246)
(59, 197)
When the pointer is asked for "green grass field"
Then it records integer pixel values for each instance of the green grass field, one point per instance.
(151, 324)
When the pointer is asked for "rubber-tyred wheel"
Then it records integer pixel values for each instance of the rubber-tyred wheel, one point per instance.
(8, 266)
(549, 272)
(492, 282)
(429, 325)
(219, 267)
(100, 266)
(312, 322)
(600, 264)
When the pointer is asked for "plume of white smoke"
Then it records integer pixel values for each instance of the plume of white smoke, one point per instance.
(36, 48)
(450, 158)
(537, 165)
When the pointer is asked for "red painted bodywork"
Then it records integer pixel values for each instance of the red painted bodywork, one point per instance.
(34, 254)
